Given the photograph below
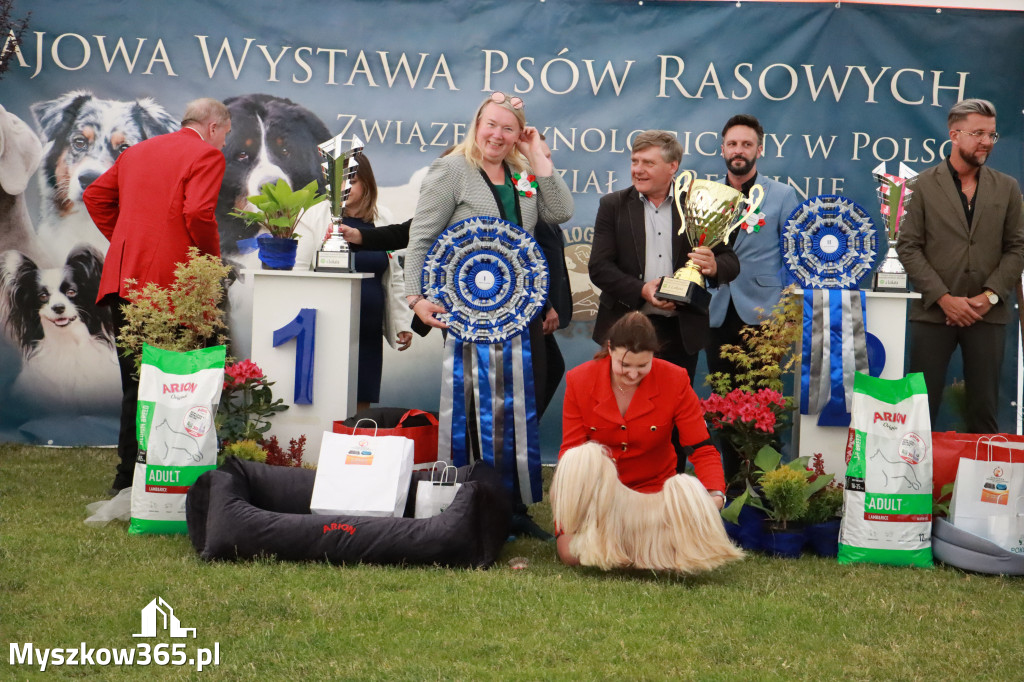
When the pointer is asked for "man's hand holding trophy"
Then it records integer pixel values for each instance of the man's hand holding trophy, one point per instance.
(708, 213)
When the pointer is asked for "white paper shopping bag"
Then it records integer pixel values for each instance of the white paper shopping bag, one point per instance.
(362, 475)
(434, 496)
(988, 500)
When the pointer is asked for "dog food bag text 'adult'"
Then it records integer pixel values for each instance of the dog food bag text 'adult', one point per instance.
(887, 505)
(178, 398)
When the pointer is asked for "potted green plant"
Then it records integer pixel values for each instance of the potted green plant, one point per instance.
(247, 404)
(185, 316)
(785, 490)
(823, 517)
(278, 210)
(750, 510)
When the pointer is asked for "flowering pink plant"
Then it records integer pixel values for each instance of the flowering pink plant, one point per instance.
(240, 371)
(749, 419)
(246, 403)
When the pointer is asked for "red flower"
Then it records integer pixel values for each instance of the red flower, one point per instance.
(746, 417)
(241, 371)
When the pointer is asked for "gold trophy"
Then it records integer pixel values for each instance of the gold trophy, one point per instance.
(707, 220)
(894, 191)
(338, 168)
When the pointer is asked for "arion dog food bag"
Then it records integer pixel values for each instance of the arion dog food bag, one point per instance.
(887, 505)
(178, 398)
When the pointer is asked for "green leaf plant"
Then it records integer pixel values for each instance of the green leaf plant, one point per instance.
(278, 208)
(790, 492)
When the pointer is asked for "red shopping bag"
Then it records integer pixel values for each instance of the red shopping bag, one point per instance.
(949, 446)
(416, 425)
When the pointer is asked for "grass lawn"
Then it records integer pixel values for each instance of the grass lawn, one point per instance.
(63, 583)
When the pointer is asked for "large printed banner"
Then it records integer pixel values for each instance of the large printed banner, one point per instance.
(838, 89)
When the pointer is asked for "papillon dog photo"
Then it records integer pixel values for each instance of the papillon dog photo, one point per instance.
(69, 363)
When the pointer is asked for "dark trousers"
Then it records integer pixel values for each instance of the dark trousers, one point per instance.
(728, 333)
(127, 441)
(671, 342)
(553, 375)
(981, 347)
(672, 350)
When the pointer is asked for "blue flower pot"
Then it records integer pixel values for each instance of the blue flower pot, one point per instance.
(749, 531)
(824, 538)
(277, 253)
(783, 543)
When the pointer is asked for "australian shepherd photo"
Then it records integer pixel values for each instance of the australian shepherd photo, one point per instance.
(271, 138)
(69, 364)
(82, 137)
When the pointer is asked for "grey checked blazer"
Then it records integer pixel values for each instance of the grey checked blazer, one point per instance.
(454, 190)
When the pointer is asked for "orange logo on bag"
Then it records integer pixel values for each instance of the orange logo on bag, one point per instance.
(361, 457)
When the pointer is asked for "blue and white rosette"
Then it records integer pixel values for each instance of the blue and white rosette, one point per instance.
(492, 278)
(828, 245)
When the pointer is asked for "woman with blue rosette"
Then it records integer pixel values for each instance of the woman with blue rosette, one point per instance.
(502, 169)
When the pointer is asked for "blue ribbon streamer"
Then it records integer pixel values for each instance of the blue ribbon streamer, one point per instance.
(509, 421)
(458, 422)
(805, 356)
(835, 411)
(534, 492)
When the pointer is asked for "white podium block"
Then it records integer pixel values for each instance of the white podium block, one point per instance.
(278, 297)
(886, 318)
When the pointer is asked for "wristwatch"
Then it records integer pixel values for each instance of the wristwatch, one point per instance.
(413, 302)
(716, 493)
(993, 297)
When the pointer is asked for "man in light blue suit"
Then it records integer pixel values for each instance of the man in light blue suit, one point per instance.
(749, 298)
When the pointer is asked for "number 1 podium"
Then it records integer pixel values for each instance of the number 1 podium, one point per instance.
(314, 318)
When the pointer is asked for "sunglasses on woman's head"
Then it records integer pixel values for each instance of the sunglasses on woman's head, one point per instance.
(499, 97)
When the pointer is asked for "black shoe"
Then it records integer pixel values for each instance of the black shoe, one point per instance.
(119, 484)
(524, 526)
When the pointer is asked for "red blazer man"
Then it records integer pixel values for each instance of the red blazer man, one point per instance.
(155, 202)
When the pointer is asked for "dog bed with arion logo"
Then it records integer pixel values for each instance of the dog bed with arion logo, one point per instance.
(244, 510)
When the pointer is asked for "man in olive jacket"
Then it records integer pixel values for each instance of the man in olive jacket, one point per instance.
(962, 244)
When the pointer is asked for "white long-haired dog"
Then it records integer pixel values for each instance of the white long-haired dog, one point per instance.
(678, 529)
(67, 343)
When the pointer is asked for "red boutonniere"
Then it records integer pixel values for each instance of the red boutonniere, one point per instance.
(525, 184)
(754, 222)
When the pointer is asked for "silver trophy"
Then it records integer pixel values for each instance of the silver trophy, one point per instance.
(894, 192)
(338, 167)
(708, 219)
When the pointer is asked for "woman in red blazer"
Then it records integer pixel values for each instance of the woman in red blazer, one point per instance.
(629, 401)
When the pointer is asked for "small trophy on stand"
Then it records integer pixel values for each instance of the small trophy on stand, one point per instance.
(895, 193)
(708, 220)
(338, 168)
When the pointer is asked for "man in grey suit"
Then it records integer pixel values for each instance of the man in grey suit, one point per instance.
(962, 244)
(749, 298)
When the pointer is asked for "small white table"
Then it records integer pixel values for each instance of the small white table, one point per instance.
(278, 297)
(886, 318)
